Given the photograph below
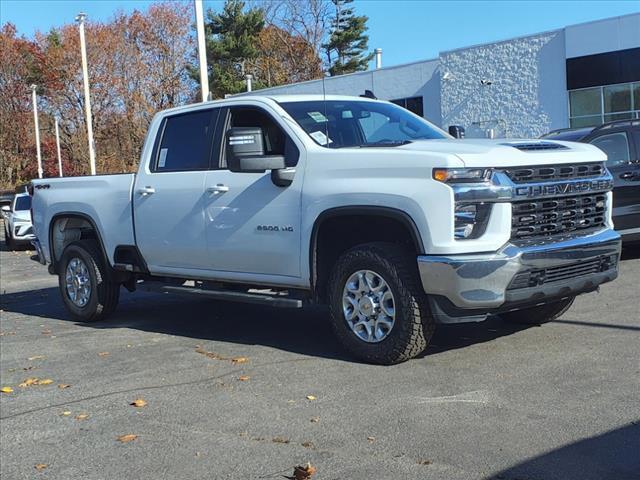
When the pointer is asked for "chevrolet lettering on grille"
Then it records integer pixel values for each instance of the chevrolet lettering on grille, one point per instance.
(567, 188)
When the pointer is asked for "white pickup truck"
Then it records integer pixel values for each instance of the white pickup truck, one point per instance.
(348, 201)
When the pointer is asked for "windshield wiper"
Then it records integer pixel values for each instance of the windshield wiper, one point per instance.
(386, 143)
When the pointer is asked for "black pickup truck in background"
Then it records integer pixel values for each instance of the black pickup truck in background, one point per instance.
(620, 140)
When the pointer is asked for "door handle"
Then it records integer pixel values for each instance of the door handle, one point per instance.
(219, 188)
(146, 191)
(627, 175)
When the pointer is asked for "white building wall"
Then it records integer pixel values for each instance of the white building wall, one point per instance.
(526, 96)
(600, 36)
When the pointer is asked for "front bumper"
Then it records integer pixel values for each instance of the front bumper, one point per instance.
(520, 275)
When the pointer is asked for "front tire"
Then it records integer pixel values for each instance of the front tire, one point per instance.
(378, 308)
(87, 292)
(540, 314)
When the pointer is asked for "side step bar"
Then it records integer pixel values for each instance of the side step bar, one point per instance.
(227, 295)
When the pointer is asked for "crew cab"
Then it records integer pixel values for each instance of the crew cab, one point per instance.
(346, 201)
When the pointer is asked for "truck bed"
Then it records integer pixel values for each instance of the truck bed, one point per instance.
(106, 199)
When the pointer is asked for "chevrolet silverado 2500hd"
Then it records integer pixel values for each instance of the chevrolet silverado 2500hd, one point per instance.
(348, 201)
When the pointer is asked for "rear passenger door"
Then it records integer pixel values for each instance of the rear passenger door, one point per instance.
(169, 193)
(624, 164)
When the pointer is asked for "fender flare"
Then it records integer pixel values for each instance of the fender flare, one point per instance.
(396, 214)
(81, 216)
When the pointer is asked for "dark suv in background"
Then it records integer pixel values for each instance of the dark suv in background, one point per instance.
(620, 140)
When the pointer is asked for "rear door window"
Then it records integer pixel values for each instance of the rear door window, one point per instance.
(186, 141)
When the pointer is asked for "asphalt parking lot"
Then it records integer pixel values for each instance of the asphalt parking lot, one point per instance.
(241, 392)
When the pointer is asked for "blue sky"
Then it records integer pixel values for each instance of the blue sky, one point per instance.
(406, 30)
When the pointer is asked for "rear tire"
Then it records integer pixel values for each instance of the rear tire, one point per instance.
(87, 291)
(540, 314)
(379, 311)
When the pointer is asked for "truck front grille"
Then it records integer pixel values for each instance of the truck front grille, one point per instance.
(539, 218)
(544, 276)
(543, 173)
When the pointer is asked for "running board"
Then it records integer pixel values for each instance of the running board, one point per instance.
(226, 295)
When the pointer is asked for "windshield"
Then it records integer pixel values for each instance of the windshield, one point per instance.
(352, 123)
(23, 203)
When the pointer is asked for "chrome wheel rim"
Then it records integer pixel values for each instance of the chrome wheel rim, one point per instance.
(78, 282)
(368, 306)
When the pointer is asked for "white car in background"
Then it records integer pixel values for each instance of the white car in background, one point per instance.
(18, 229)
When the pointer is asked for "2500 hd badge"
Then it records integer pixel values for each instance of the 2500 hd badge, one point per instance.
(274, 228)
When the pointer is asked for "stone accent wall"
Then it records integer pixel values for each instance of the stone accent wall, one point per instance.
(516, 88)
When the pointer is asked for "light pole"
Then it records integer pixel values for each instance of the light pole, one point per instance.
(87, 101)
(37, 127)
(202, 52)
(58, 147)
(249, 78)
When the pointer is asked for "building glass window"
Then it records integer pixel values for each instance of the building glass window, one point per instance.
(590, 107)
(413, 104)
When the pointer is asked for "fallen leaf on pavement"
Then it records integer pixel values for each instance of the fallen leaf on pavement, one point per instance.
(371, 439)
(240, 360)
(213, 355)
(315, 419)
(82, 416)
(103, 354)
(66, 413)
(46, 381)
(2, 334)
(303, 472)
(424, 462)
(130, 437)
(311, 397)
(30, 367)
(244, 378)
(36, 357)
(139, 402)
(62, 386)
(41, 466)
(6, 390)
(280, 440)
(28, 382)
(46, 332)
(308, 444)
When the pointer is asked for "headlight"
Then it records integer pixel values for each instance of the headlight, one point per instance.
(471, 220)
(462, 175)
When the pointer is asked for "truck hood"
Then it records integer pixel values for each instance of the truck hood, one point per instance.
(22, 216)
(510, 152)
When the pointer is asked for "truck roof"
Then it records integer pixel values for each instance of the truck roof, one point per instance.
(274, 98)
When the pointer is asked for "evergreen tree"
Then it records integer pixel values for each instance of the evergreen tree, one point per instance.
(232, 42)
(348, 42)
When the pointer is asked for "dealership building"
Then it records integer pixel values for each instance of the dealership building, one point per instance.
(576, 76)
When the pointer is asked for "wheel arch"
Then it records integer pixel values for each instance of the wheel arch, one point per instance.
(401, 221)
(77, 223)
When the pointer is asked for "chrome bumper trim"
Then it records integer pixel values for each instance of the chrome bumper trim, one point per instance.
(478, 281)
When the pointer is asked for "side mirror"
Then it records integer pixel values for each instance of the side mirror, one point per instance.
(6, 208)
(456, 131)
(245, 151)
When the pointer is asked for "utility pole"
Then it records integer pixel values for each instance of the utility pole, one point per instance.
(202, 52)
(248, 77)
(58, 147)
(37, 127)
(87, 100)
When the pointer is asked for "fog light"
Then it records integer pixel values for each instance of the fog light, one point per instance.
(470, 220)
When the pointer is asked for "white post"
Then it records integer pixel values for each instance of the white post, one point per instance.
(249, 79)
(202, 52)
(87, 100)
(37, 127)
(58, 148)
(378, 53)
